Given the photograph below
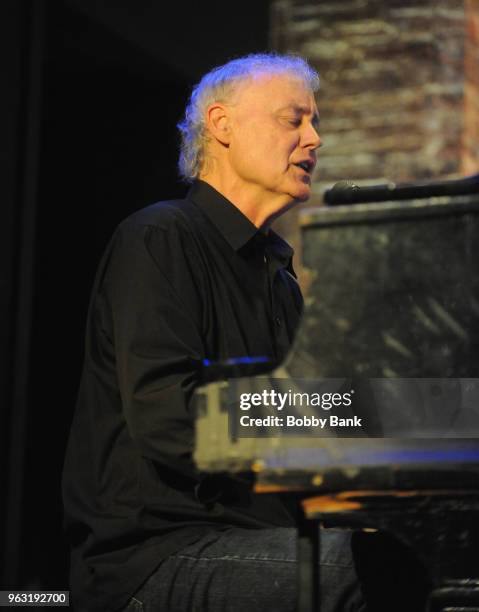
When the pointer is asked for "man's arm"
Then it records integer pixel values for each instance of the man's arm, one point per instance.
(155, 310)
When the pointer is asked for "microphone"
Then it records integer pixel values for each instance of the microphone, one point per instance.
(343, 185)
(347, 192)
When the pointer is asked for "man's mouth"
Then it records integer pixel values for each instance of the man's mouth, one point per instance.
(307, 165)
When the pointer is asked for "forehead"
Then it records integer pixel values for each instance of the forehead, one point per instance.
(276, 92)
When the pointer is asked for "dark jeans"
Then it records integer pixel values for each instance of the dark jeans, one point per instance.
(250, 570)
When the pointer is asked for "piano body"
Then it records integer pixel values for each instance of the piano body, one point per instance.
(393, 313)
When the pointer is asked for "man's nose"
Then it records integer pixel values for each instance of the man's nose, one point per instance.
(311, 137)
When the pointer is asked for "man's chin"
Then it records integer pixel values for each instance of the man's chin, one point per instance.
(303, 194)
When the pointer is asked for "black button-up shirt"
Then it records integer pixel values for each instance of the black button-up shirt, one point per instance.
(180, 282)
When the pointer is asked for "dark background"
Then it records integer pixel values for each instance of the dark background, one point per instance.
(91, 96)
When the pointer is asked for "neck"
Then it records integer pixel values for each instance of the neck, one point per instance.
(260, 207)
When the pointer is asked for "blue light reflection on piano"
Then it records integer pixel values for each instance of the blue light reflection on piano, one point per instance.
(322, 456)
(237, 360)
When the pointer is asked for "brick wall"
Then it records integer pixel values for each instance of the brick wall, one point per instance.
(392, 95)
(470, 151)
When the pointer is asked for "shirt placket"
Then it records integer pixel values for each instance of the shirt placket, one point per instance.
(280, 336)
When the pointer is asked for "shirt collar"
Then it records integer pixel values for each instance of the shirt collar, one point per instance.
(234, 226)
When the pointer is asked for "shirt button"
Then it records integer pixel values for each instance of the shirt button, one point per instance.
(277, 320)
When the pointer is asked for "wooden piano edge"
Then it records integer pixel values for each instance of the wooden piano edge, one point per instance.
(400, 478)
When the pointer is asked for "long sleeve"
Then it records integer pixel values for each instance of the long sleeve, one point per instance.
(155, 313)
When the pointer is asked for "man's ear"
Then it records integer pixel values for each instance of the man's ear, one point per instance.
(218, 122)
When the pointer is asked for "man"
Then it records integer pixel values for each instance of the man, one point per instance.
(180, 282)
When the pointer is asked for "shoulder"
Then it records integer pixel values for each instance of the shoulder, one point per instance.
(164, 237)
(165, 214)
(155, 247)
(166, 227)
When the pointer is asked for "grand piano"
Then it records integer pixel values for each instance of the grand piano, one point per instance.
(391, 323)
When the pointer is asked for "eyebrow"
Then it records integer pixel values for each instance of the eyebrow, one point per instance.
(301, 110)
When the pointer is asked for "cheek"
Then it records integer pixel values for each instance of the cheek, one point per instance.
(279, 151)
(258, 151)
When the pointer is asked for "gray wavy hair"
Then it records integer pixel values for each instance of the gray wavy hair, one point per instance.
(218, 85)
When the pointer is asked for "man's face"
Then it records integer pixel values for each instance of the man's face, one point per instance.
(274, 137)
